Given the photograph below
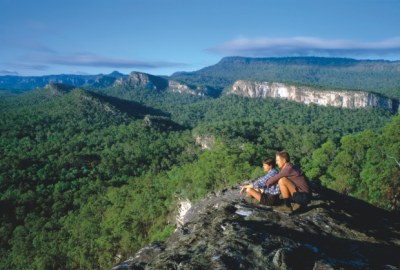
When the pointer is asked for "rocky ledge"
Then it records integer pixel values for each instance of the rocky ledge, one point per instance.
(223, 231)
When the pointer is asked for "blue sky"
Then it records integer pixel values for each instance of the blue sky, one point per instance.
(40, 37)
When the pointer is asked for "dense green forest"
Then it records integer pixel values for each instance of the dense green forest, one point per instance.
(87, 178)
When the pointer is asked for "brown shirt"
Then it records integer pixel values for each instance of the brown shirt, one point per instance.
(294, 175)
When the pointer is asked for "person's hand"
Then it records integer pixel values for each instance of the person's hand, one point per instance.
(245, 188)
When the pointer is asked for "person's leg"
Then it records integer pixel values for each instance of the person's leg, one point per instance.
(254, 193)
(287, 188)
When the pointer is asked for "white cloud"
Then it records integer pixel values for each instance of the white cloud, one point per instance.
(26, 65)
(93, 60)
(8, 72)
(307, 46)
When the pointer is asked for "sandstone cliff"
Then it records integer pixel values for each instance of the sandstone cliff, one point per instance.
(225, 232)
(307, 95)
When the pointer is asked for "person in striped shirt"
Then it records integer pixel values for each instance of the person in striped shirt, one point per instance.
(259, 190)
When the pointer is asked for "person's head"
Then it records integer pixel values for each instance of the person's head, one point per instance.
(268, 164)
(282, 158)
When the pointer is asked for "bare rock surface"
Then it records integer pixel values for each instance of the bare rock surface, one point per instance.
(223, 231)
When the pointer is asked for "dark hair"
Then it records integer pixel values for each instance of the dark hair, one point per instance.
(270, 161)
(284, 155)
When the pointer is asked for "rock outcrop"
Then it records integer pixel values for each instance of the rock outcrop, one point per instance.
(155, 83)
(205, 142)
(307, 95)
(178, 87)
(144, 81)
(223, 231)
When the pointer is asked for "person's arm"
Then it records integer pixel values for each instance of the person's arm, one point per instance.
(259, 183)
(271, 173)
(283, 173)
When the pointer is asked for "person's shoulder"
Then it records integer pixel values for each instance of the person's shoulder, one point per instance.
(289, 164)
(274, 171)
(296, 167)
(292, 166)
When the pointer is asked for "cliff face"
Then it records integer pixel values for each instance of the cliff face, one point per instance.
(224, 231)
(307, 95)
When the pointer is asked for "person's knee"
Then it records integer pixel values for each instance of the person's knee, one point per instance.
(285, 184)
(252, 191)
(283, 181)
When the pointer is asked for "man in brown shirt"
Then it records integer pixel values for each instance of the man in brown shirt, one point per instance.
(292, 183)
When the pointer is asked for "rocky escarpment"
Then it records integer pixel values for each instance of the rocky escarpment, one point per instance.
(225, 232)
(156, 83)
(307, 95)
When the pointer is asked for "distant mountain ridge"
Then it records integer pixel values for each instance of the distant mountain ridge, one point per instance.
(382, 78)
(32, 82)
(135, 80)
(341, 73)
(379, 76)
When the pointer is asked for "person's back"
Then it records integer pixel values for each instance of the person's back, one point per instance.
(295, 175)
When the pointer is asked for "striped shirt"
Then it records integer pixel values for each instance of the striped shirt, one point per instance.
(262, 183)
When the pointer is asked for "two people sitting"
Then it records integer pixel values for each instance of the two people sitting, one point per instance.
(289, 183)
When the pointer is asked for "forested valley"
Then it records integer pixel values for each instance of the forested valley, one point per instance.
(89, 176)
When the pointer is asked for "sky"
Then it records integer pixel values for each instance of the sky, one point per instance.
(160, 37)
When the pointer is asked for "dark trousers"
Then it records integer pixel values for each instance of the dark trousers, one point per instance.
(302, 198)
(269, 199)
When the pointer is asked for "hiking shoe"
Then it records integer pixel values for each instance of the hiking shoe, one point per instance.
(283, 209)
